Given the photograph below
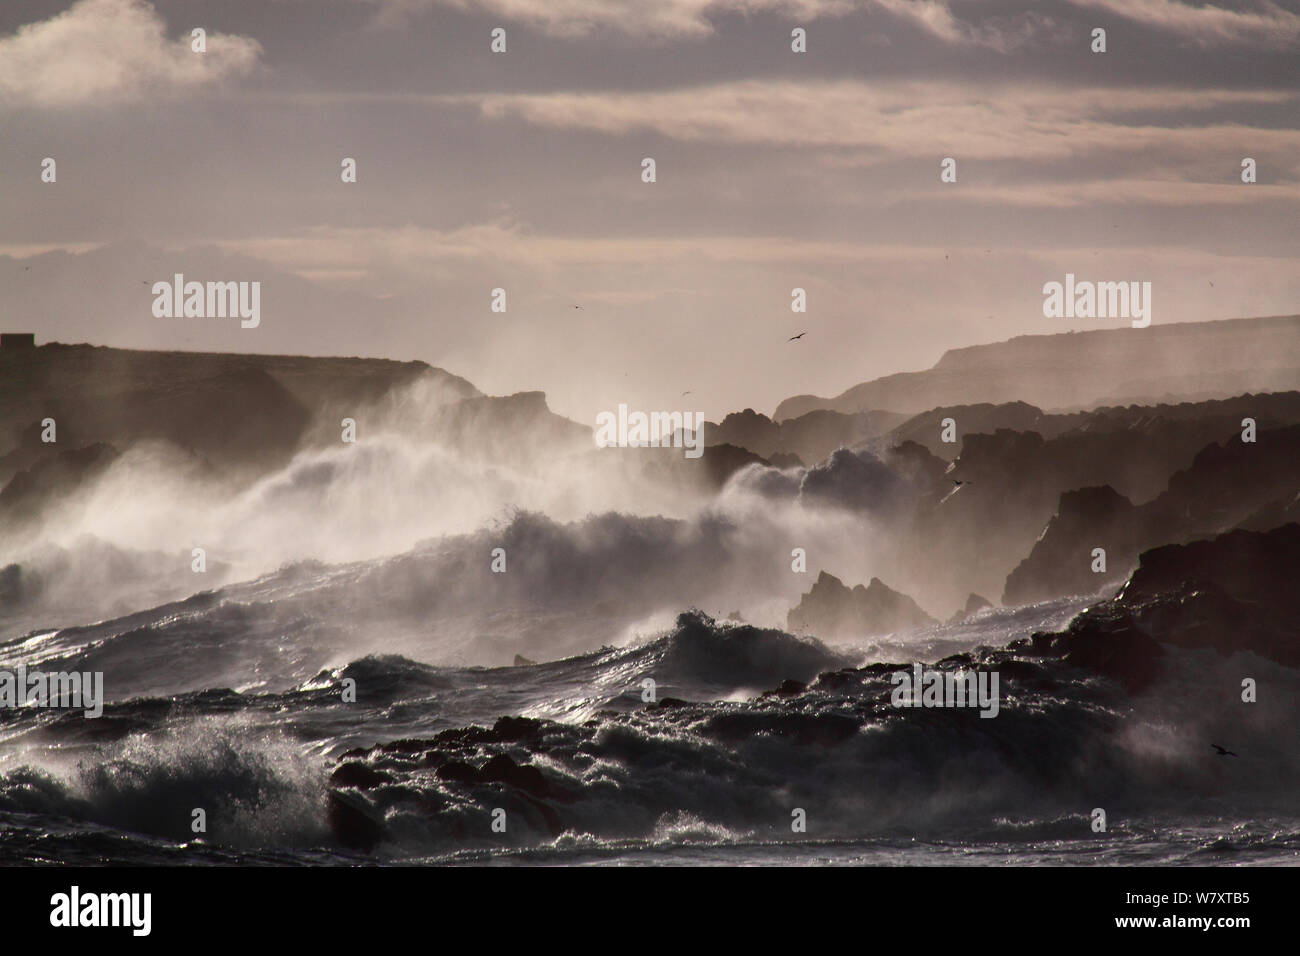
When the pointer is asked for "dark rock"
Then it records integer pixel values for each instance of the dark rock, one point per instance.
(791, 443)
(1108, 641)
(499, 768)
(457, 771)
(351, 823)
(1226, 485)
(787, 688)
(974, 603)
(358, 775)
(515, 729)
(502, 769)
(1234, 592)
(832, 610)
(1061, 560)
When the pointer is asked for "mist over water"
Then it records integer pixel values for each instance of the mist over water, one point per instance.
(963, 529)
(600, 520)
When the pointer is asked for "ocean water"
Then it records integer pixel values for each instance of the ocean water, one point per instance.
(232, 702)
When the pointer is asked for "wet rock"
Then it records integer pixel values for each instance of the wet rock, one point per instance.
(358, 775)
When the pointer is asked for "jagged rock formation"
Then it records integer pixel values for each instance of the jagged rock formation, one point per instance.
(1226, 485)
(1235, 592)
(512, 429)
(1013, 482)
(809, 438)
(704, 475)
(974, 604)
(1104, 639)
(1273, 515)
(832, 610)
(1061, 561)
(50, 478)
(1148, 442)
(927, 428)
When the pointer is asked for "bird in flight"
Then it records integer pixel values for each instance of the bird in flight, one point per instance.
(685, 393)
(956, 482)
(577, 307)
(1222, 752)
(799, 336)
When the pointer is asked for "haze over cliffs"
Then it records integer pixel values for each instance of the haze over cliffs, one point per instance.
(1068, 370)
(248, 447)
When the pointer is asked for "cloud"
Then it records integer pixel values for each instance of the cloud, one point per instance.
(653, 18)
(1264, 23)
(935, 18)
(102, 51)
(883, 120)
(1132, 192)
(662, 19)
(415, 249)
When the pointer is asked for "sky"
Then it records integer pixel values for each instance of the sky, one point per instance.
(522, 170)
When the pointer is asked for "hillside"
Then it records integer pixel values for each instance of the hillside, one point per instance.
(230, 409)
(1183, 361)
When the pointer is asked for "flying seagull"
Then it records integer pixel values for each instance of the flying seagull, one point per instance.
(1222, 752)
(956, 482)
(685, 393)
(799, 336)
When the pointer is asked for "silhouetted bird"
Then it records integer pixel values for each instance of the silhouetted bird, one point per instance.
(799, 336)
(1222, 752)
(684, 394)
(956, 482)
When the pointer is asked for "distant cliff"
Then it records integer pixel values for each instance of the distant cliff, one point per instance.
(1179, 361)
(232, 410)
